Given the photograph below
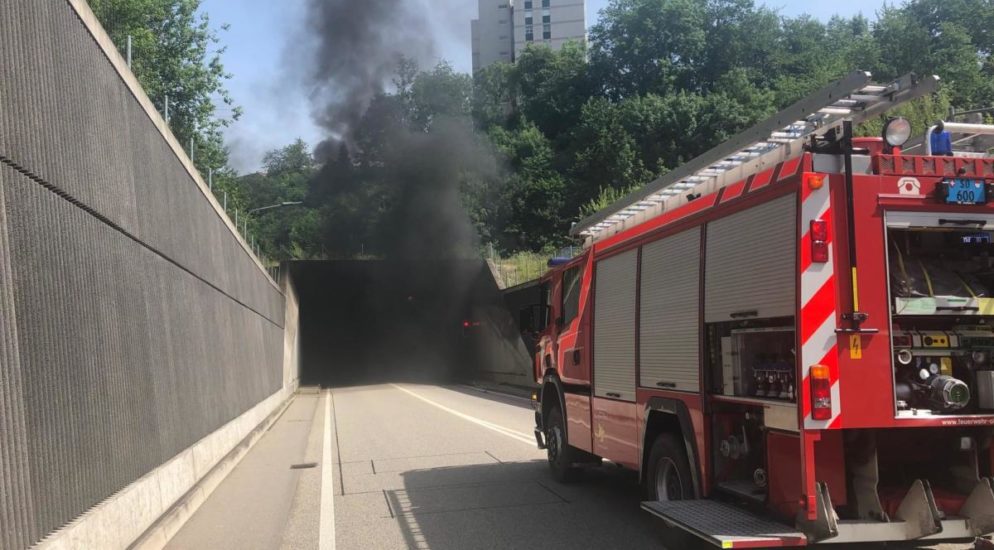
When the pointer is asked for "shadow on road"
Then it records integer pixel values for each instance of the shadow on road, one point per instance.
(518, 505)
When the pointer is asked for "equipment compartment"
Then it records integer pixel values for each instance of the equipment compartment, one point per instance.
(760, 362)
(941, 272)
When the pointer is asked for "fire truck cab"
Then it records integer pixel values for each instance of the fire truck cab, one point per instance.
(790, 338)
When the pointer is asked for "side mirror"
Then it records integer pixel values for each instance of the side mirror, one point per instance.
(526, 319)
(534, 318)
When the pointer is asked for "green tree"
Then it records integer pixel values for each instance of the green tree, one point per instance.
(606, 154)
(493, 96)
(552, 87)
(285, 177)
(441, 92)
(176, 54)
(530, 214)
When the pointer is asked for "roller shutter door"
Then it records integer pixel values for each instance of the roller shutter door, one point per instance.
(750, 269)
(669, 336)
(614, 327)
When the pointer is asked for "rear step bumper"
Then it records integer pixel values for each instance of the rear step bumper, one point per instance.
(729, 526)
(725, 525)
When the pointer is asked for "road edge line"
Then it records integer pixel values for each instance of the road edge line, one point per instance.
(326, 532)
(518, 436)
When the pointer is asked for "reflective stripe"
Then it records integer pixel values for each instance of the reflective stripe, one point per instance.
(819, 344)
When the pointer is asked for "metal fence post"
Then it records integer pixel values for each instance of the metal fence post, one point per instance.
(129, 51)
(167, 109)
(210, 179)
(225, 201)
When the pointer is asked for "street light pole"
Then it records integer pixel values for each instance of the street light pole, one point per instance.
(272, 206)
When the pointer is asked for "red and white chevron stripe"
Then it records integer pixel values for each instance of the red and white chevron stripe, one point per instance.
(819, 345)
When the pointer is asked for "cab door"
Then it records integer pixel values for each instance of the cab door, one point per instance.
(571, 345)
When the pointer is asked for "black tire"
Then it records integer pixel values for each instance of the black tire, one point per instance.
(560, 455)
(668, 458)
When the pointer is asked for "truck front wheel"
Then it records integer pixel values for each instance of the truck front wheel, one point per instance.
(668, 477)
(558, 451)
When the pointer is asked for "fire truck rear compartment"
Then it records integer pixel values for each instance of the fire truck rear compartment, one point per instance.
(941, 279)
(874, 486)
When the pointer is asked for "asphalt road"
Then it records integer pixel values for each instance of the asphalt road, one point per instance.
(415, 466)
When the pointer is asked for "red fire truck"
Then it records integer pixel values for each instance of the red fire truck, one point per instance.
(790, 338)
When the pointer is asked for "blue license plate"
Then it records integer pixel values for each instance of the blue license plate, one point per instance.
(966, 191)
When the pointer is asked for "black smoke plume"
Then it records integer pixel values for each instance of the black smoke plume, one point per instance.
(359, 44)
(393, 185)
(393, 176)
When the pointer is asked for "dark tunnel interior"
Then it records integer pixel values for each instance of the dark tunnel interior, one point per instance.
(368, 322)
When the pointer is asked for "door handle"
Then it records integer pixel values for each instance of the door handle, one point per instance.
(666, 384)
(742, 314)
(614, 395)
(962, 222)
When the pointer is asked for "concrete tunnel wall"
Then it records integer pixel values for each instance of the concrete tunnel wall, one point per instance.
(140, 339)
(366, 322)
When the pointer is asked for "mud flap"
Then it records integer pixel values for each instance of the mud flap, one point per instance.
(979, 508)
(918, 511)
(826, 525)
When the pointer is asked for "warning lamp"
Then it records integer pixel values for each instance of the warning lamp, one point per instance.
(821, 393)
(897, 131)
(819, 241)
(815, 181)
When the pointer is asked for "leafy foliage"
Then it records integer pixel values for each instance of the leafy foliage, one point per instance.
(567, 132)
(176, 54)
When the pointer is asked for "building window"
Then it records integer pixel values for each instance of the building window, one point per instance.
(528, 20)
(545, 3)
(547, 31)
(529, 33)
(547, 19)
(528, 4)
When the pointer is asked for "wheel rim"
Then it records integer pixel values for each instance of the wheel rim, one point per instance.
(668, 482)
(554, 444)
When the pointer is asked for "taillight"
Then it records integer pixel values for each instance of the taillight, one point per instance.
(821, 393)
(819, 241)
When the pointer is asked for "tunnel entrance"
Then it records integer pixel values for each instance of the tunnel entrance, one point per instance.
(368, 322)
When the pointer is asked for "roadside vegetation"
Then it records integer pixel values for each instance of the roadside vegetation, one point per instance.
(660, 82)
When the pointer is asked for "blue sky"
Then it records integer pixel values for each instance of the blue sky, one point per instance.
(265, 35)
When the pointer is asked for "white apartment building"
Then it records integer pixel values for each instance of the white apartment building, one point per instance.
(506, 27)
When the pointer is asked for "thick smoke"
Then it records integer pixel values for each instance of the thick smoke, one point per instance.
(360, 47)
(403, 316)
(359, 43)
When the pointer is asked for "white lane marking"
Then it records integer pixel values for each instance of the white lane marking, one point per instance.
(496, 392)
(326, 536)
(522, 437)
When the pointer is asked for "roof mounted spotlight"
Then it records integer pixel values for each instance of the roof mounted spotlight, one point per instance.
(897, 131)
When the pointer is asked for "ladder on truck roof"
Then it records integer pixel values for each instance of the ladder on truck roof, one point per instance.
(775, 140)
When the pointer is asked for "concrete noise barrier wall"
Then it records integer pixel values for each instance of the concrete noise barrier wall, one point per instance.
(134, 322)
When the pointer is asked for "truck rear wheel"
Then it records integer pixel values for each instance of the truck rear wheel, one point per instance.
(668, 475)
(558, 451)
